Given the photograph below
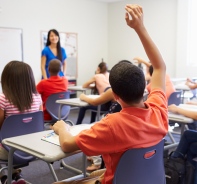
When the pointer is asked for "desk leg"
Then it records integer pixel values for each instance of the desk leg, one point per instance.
(10, 164)
(182, 129)
(59, 112)
(84, 165)
(98, 112)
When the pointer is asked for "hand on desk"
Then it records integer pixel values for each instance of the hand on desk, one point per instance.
(172, 108)
(191, 85)
(82, 97)
(60, 125)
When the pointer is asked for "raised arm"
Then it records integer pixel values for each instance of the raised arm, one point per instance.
(140, 60)
(103, 98)
(64, 67)
(158, 77)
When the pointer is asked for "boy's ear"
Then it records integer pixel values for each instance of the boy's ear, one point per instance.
(115, 96)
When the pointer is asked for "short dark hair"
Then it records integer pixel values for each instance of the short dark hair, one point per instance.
(128, 82)
(150, 70)
(18, 84)
(54, 66)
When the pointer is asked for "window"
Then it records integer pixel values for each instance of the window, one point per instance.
(192, 34)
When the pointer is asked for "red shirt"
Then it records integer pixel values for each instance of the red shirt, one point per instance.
(49, 86)
(130, 128)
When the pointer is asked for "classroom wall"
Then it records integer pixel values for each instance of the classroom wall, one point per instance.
(102, 31)
(160, 20)
(85, 17)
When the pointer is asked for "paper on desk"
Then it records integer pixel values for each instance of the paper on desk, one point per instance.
(53, 138)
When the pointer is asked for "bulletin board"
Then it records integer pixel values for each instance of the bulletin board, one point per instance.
(69, 42)
(11, 46)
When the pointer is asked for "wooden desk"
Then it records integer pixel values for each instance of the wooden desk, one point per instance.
(33, 145)
(76, 102)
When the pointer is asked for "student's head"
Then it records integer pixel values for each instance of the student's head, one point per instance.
(54, 67)
(18, 84)
(127, 82)
(102, 67)
(150, 70)
(54, 38)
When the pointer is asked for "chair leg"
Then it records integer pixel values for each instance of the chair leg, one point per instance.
(52, 171)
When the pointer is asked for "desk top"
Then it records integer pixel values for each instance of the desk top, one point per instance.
(33, 145)
(77, 88)
(76, 101)
(182, 86)
(188, 107)
(179, 118)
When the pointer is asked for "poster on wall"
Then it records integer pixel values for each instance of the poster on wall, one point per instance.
(69, 42)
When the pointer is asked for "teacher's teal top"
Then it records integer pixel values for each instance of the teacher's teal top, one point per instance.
(49, 56)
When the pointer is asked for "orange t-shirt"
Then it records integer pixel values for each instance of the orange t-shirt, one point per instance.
(130, 128)
(169, 87)
(47, 87)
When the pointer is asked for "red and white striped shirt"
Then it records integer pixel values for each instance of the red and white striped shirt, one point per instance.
(10, 109)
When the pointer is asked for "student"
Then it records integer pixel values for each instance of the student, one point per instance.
(139, 124)
(53, 50)
(101, 81)
(188, 147)
(191, 84)
(169, 85)
(147, 64)
(188, 113)
(53, 84)
(19, 94)
(105, 97)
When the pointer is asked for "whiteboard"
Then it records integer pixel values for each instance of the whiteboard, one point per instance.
(11, 46)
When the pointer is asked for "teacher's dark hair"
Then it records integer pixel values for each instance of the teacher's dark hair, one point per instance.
(59, 52)
(18, 84)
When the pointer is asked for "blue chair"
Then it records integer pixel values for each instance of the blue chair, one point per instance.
(135, 167)
(53, 108)
(21, 124)
(175, 98)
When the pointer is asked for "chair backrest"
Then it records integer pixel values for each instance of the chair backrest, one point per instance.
(21, 124)
(53, 108)
(137, 166)
(175, 98)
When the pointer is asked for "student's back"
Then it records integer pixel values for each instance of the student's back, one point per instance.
(19, 93)
(100, 79)
(53, 84)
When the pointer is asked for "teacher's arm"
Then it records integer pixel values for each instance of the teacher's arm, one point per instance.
(43, 63)
(64, 67)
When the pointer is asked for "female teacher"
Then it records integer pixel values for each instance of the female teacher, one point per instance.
(53, 50)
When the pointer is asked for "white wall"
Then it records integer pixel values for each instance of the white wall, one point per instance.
(159, 18)
(102, 31)
(85, 17)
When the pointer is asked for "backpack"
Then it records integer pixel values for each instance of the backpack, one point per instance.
(174, 170)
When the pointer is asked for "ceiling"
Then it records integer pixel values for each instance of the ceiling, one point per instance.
(108, 1)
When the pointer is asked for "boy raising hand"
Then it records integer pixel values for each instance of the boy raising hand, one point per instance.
(139, 124)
